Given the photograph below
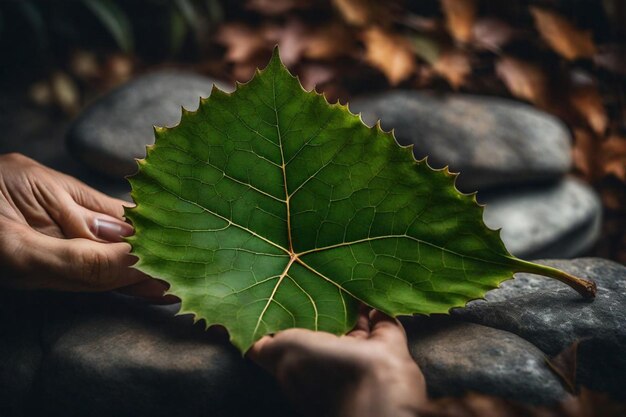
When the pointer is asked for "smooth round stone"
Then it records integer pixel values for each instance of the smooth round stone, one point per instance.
(490, 141)
(116, 128)
(552, 316)
(460, 357)
(562, 219)
(110, 355)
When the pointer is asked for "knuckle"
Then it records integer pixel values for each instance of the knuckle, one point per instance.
(13, 156)
(16, 158)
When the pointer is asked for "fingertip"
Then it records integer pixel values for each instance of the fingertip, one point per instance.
(255, 352)
(362, 327)
(377, 317)
(385, 326)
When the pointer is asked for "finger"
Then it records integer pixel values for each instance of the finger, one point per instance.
(362, 328)
(95, 200)
(76, 221)
(386, 328)
(82, 264)
(270, 350)
(108, 228)
(152, 290)
(259, 353)
(79, 222)
(82, 222)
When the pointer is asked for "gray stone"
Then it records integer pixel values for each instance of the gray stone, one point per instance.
(111, 355)
(115, 129)
(552, 316)
(460, 357)
(559, 220)
(491, 141)
(107, 354)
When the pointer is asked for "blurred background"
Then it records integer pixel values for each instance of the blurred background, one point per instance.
(564, 58)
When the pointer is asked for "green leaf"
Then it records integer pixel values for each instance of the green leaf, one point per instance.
(268, 209)
(114, 20)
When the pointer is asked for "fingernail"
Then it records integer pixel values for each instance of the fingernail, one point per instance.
(111, 230)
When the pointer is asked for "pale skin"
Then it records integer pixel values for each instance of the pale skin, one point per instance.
(56, 233)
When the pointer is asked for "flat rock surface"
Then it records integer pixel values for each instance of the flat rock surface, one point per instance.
(459, 357)
(491, 141)
(110, 355)
(552, 316)
(561, 219)
(116, 128)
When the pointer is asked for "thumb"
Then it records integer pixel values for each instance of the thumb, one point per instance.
(386, 328)
(94, 200)
(79, 222)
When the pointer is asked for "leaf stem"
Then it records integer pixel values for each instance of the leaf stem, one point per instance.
(584, 287)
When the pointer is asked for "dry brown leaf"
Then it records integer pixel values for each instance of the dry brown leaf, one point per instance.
(390, 53)
(460, 16)
(586, 100)
(492, 34)
(65, 92)
(297, 40)
(613, 157)
(313, 75)
(242, 42)
(277, 7)
(562, 36)
(118, 68)
(329, 42)
(291, 38)
(84, 65)
(244, 71)
(612, 58)
(586, 404)
(453, 65)
(358, 12)
(584, 152)
(525, 80)
(565, 364)
(591, 404)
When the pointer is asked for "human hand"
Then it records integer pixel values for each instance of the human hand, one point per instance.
(367, 373)
(58, 233)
